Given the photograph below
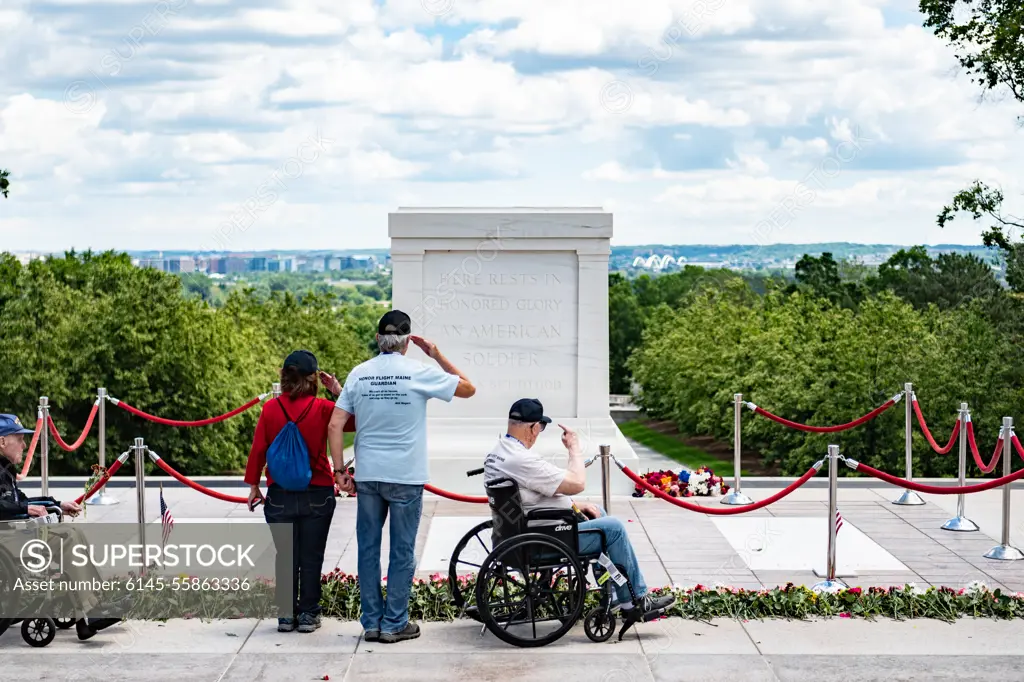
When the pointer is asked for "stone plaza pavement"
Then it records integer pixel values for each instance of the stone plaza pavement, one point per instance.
(880, 544)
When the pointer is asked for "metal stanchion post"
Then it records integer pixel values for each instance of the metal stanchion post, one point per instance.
(102, 498)
(606, 479)
(909, 497)
(1005, 551)
(960, 522)
(44, 447)
(275, 389)
(736, 496)
(140, 487)
(831, 583)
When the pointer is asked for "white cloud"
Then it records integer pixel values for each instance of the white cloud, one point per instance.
(693, 123)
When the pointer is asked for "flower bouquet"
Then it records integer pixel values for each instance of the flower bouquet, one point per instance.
(699, 483)
(98, 472)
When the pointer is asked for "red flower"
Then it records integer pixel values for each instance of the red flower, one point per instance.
(854, 590)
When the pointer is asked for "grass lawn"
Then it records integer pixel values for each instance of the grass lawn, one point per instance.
(349, 439)
(671, 447)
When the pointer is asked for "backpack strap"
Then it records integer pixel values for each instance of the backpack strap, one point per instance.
(281, 405)
(306, 411)
(301, 416)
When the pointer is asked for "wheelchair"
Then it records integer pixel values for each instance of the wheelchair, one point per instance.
(38, 631)
(531, 588)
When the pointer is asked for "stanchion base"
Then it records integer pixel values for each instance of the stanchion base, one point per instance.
(101, 500)
(736, 498)
(830, 586)
(1005, 553)
(908, 497)
(960, 524)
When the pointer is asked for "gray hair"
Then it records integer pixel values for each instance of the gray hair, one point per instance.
(392, 343)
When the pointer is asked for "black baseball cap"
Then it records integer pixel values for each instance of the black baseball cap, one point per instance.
(302, 360)
(528, 410)
(395, 322)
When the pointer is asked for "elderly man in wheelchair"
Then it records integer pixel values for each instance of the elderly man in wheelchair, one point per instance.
(543, 543)
(21, 515)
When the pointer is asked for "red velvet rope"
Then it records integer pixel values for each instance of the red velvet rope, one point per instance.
(32, 449)
(721, 511)
(174, 422)
(928, 434)
(81, 439)
(455, 496)
(199, 487)
(827, 429)
(936, 489)
(985, 469)
(1017, 446)
(100, 483)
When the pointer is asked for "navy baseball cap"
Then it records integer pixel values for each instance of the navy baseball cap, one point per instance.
(528, 410)
(395, 322)
(11, 425)
(302, 360)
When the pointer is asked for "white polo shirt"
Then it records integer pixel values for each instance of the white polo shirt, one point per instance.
(537, 479)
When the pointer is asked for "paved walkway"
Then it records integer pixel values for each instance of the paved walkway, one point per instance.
(880, 543)
(669, 650)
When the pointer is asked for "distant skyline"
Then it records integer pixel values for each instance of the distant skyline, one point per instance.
(136, 125)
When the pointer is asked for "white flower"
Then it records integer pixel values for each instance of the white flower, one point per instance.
(976, 586)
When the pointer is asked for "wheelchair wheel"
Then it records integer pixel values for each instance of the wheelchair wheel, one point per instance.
(530, 590)
(599, 625)
(64, 623)
(470, 553)
(38, 632)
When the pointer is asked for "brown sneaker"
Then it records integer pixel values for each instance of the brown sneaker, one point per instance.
(410, 631)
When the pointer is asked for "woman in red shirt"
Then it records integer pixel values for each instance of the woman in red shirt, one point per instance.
(309, 512)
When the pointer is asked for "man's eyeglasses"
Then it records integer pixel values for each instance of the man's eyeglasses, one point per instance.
(543, 425)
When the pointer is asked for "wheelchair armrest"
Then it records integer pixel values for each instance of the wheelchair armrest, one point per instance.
(50, 511)
(567, 515)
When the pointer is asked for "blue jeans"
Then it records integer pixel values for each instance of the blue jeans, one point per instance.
(374, 500)
(300, 520)
(619, 550)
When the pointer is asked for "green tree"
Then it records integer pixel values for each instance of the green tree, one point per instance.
(948, 281)
(4, 182)
(988, 40)
(81, 321)
(821, 277)
(625, 330)
(982, 201)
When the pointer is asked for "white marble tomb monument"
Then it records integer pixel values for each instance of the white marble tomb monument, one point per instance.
(516, 298)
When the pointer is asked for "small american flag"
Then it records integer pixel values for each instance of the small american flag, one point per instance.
(166, 520)
(839, 521)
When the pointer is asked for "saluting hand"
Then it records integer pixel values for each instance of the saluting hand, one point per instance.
(426, 346)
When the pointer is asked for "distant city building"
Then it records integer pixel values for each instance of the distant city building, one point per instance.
(232, 265)
(179, 264)
(155, 263)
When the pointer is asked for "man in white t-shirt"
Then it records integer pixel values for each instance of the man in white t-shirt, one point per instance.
(542, 485)
(388, 396)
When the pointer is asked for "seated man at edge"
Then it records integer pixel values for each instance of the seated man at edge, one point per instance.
(15, 504)
(542, 485)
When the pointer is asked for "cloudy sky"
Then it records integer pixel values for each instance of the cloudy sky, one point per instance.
(300, 123)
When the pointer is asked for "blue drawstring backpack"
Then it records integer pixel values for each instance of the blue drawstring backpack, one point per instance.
(288, 456)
